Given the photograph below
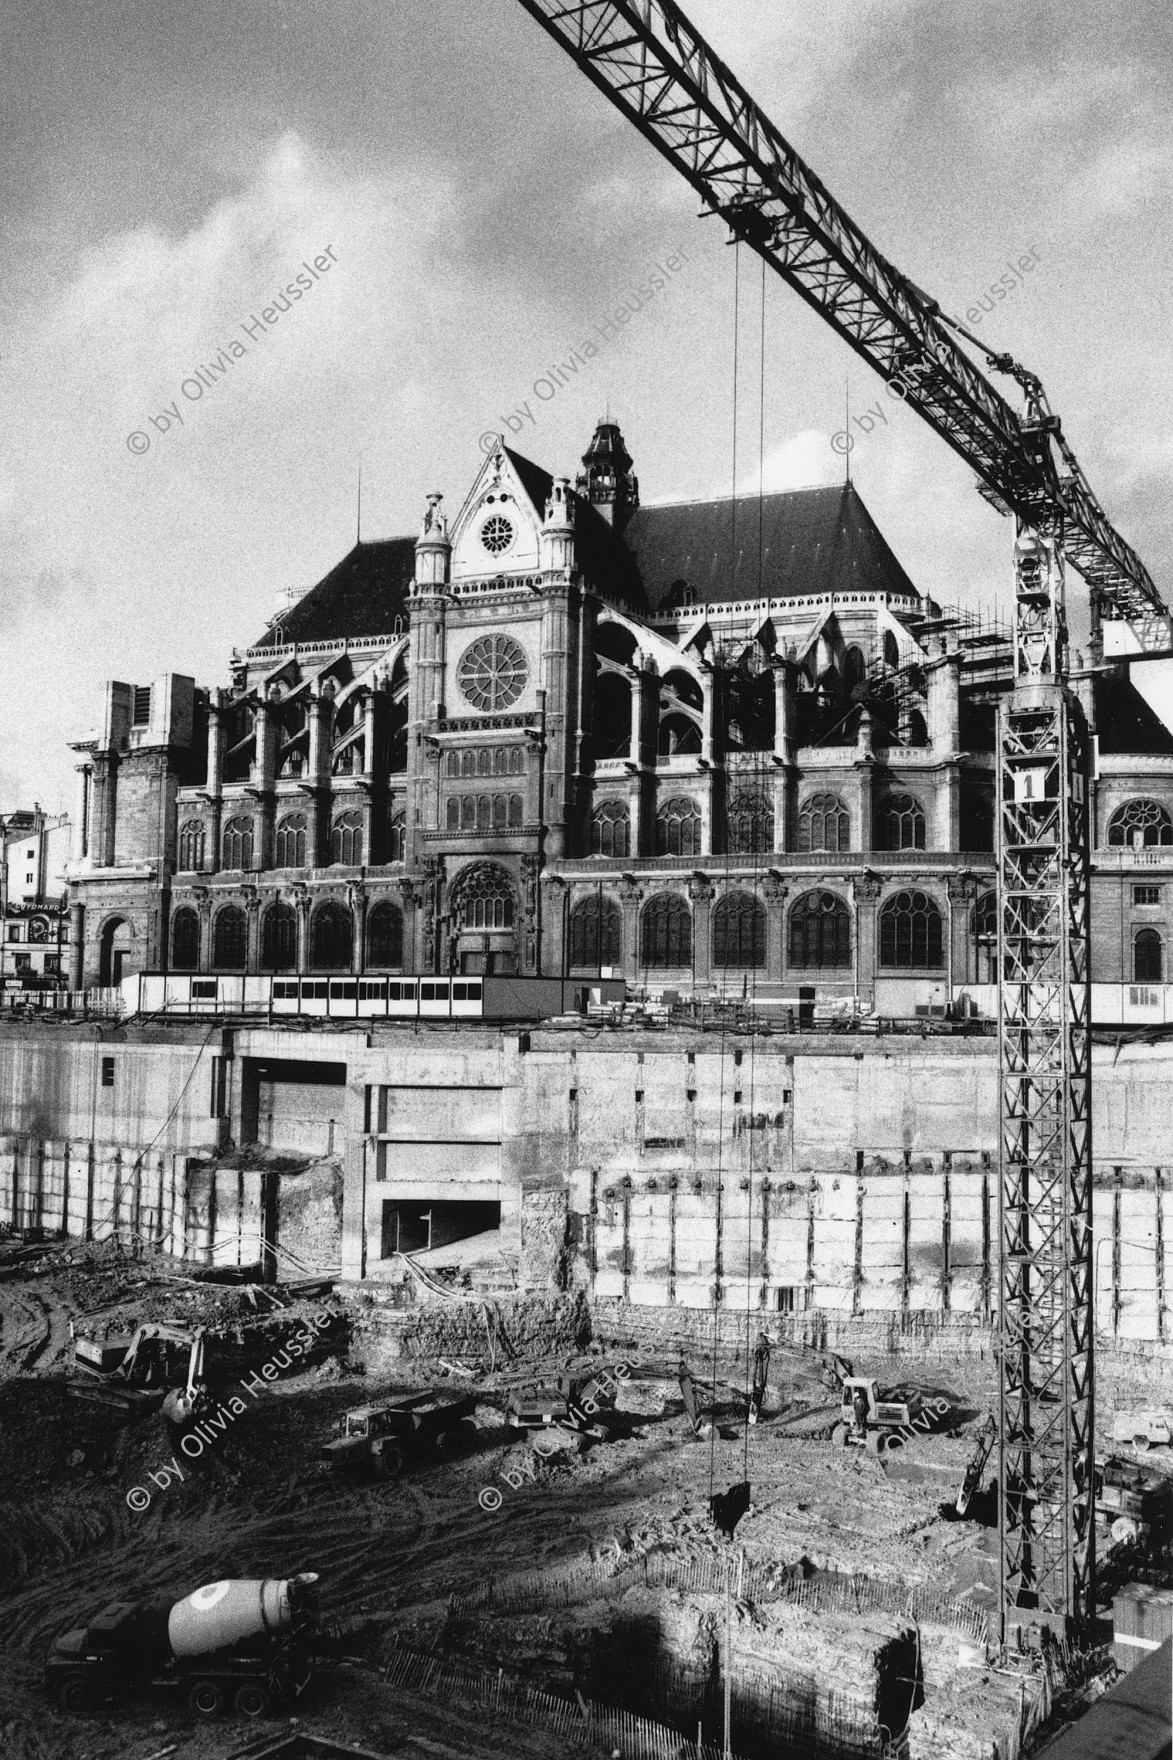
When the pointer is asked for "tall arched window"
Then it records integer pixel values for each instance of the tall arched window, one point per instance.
(611, 830)
(854, 671)
(985, 938)
(482, 898)
(596, 933)
(289, 845)
(750, 819)
(191, 847)
(331, 938)
(397, 838)
(1147, 957)
(385, 935)
(185, 940)
(911, 933)
(666, 932)
(891, 650)
(820, 932)
(238, 843)
(346, 839)
(279, 938)
(739, 931)
(229, 939)
(824, 825)
(900, 823)
(678, 828)
(1140, 823)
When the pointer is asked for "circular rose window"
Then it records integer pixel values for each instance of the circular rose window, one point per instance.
(497, 534)
(492, 673)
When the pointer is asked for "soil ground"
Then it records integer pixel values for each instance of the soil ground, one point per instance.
(395, 1558)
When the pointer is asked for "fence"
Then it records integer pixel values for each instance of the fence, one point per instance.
(529, 1591)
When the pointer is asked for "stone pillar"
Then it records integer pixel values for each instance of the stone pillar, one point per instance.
(775, 893)
(80, 827)
(555, 906)
(77, 946)
(529, 938)
(267, 734)
(785, 752)
(202, 899)
(252, 917)
(215, 783)
(709, 693)
(700, 892)
(630, 895)
(962, 889)
(301, 905)
(866, 889)
(102, 810)
(411, 949)
(359, 902)
(321, 718)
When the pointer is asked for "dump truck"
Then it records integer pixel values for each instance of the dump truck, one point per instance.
(245, 1642)
(383, 1439)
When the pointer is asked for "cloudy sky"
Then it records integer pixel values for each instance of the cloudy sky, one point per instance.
(168, 167)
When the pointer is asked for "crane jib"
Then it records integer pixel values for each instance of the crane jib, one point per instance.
(647, 58)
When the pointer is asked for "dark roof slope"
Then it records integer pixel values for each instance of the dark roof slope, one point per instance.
(361, 596)
(1126, 723)
(812, 541)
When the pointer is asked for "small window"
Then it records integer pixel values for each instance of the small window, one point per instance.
(107, 1072)
(787, 1298)
(1146, 895)
(142, 705)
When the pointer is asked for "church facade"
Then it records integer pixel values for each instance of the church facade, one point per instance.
(707, 746)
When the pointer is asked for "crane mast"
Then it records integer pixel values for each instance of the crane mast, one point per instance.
(652, 64)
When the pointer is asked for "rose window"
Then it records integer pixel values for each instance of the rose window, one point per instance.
(492, 673)
(497, 534)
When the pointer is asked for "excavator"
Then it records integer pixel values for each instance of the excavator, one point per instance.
(157, 1368)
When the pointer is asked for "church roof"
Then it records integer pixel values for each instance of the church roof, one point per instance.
(1125, 722)
(361, 596)
(812, 541)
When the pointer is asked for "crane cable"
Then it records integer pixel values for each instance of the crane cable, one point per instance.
(719, 1266)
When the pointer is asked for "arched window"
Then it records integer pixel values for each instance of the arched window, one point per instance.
(900, 823)
(824, 825)
(596, 933)
(238, 843)
(750, 819)
(331, 938)
(910, 932)
(666, 932)
(1140, 823)
(229, 939)
(185, 940)
(985, 938)
(452, 767)
(191, 847)
(289, 845)
(482, 898)
(611, 830)
(279, 938)
(678, 828)
(739, 931)
(891, 650)
(385, 935)
(820, 932)
(917, 733)
(854, 671)
(346, 839)
(397, 838)
(1147, 957)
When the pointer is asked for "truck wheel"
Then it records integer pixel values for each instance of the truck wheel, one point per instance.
(390, 1461)
(77, 1695)
(448, 1444)
(1140, 1442)
(469, 1434)
(206, 1698)
(839, 1436)
(252, 1700)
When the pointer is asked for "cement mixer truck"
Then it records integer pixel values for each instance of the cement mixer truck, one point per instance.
(245, 1642)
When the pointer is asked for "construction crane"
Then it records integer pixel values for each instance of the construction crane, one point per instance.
(652, 64)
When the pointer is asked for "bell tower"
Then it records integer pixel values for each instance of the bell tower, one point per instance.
(607, 481)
